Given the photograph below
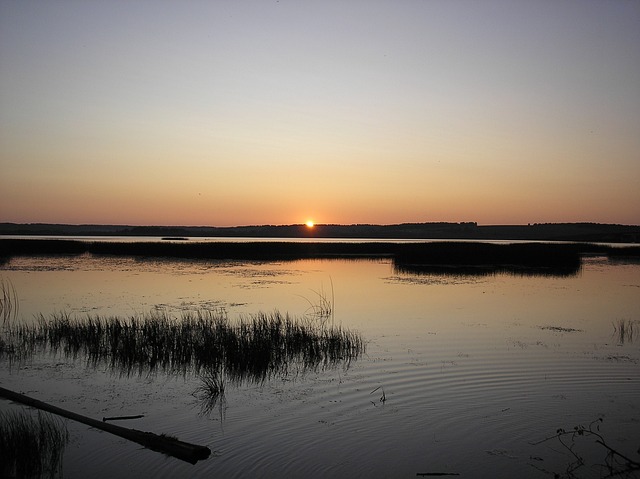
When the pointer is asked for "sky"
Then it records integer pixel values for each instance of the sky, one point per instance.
(226, 113)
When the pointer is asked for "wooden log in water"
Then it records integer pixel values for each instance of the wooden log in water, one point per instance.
(171, 446)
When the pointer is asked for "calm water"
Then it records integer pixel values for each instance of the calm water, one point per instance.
(474, 369)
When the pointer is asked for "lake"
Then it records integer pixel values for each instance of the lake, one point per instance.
(461, 374)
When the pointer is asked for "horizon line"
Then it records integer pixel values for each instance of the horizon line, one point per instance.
(474, 223)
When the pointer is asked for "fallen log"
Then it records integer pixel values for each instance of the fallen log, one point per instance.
(171, 446)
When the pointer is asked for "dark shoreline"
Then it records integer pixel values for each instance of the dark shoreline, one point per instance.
(432, 257)
(583, 232)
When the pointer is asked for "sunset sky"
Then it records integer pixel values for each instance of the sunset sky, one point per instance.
(277, 112)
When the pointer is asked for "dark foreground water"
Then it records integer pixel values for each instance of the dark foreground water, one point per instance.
(461, 373)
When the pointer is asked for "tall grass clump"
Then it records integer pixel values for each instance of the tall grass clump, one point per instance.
(31, 446)
(252, 348)
(211, 392)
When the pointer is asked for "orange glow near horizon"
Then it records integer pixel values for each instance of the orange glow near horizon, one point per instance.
(435, 118)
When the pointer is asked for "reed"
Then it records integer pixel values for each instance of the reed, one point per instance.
(322, 307)
(31, 446)
(258, 250)
(442, 252)
(474, 258)
(449, 257)
(9, 304)
(251, 349)
(623, 252)
(624, 330)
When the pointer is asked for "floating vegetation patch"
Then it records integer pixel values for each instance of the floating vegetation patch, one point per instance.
(433, 279)
(620, 358)
(252, 349)
(31, 446)
(202, 304)
(560, 329)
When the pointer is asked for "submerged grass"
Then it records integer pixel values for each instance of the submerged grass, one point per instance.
(253, 348)
(31, 446)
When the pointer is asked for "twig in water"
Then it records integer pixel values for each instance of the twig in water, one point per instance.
(437, 474)
(121, 418)
(383, 398)
(615, 468)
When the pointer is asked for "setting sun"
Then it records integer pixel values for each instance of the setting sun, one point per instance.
(310, 224)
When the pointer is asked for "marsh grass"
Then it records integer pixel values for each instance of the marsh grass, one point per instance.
(9, 304)
(251, 349)
(31, 446)
(441, 257)
(624, 252)
(434, 253)
(482, 259)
